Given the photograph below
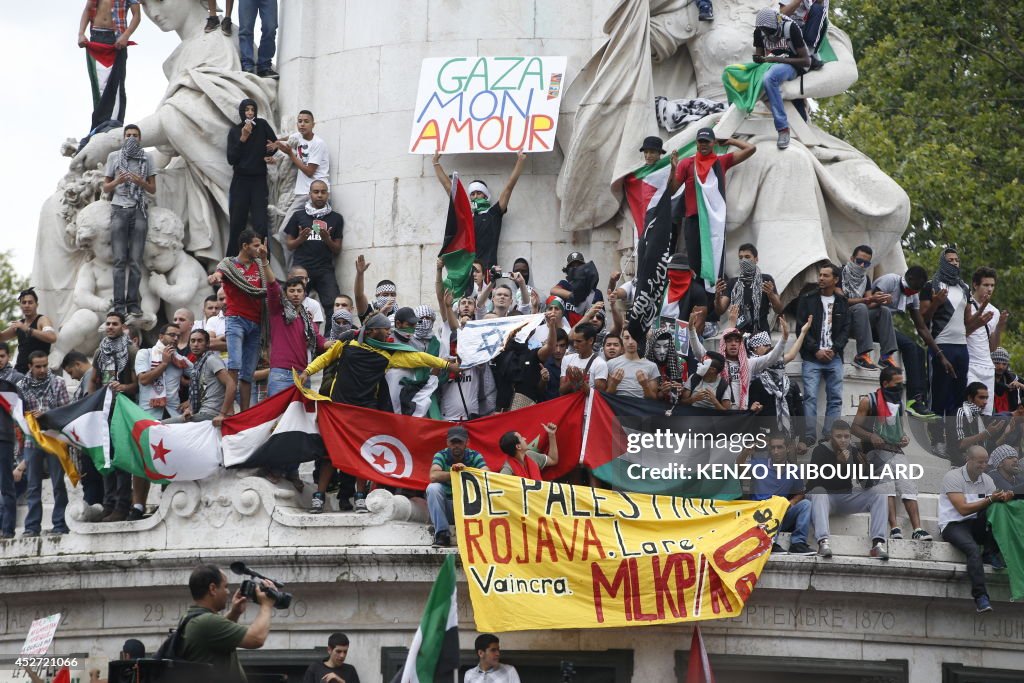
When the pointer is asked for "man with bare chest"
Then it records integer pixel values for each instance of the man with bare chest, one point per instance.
(107, 56)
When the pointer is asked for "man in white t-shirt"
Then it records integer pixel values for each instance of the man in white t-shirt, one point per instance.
(822, 349)
(312, 161)
(631, 375)
(585, 367)
(967, 492)
(984, 328)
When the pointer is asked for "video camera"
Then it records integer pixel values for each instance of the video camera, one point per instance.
(282, 600)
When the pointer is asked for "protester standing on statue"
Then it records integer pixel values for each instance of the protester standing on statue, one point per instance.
(313, 235)
(35, 332)
(487, 216)
(260, 63)
(312, 160)
(779, 41)
(107, 56)
(213, 21)
(707, 169)
(244, 280)
(130, 174)
(250, 144)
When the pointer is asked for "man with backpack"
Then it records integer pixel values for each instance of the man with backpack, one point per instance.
(778, 41)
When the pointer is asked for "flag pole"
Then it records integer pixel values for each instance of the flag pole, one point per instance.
(586, 422)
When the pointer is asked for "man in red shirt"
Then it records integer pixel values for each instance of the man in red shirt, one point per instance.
(244, 280)
(705, 242)
(524, 462)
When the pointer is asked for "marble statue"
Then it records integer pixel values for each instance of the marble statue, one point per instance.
(93, 293)
(657, 47)
(175, 277)
(190, 126)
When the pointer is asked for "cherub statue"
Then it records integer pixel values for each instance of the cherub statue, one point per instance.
(175, 278)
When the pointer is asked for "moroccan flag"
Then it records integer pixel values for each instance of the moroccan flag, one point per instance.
(397, 450)
(434, 653)
(159, 452)
(10, 402)
(653, 252)
(1007, 520)
(85, 424)
(629, 438)
(699, 668)
(279, 432)
(459, 247)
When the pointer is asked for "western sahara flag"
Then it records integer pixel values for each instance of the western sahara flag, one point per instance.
(10, 402)
(621, 424)
(279, 432)
(459, 247)
(434, 653)
(397, 450)
(85, 424)
(159, 452)
(653, 252)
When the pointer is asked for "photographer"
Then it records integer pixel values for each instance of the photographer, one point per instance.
(213, 639)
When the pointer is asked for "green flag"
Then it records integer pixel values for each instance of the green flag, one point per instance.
(1007, 520)
(434, 653)
(743, 82)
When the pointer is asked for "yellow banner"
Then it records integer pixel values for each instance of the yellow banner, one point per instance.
(542, 555)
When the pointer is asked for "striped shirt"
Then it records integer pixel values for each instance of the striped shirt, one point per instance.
(966, 424)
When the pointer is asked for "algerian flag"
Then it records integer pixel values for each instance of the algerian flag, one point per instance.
(434, 653)
(711, 217)
(159, 452)
(85, 424)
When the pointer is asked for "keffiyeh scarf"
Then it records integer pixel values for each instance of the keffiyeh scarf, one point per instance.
(424, 328)
(196, 390)
(854, 280)
(750, 278)
(112, 357)
(291, 312)
(132, 151)
(318, 213)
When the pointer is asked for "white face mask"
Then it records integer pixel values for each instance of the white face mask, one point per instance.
(703, 367)
(661, 348)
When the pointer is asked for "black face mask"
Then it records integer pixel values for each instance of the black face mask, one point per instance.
(894, 393)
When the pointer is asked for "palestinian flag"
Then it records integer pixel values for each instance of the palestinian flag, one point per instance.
(459, 247)
(679, 281)
(434, 653)
(85, 424)
(397, 450)
(744, 82)
(709, 184)
(279, 432)
(147, 448)
(645, 186)
(10, 402)
(629, 437)
(653, 253)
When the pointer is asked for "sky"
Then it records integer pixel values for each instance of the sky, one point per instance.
(50, 101)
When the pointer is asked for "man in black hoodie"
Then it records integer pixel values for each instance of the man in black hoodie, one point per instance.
(250, 144)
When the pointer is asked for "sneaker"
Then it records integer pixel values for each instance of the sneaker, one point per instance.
(995, 560)
(442, 540)
(824, 549)
(778, 549)
(896, 533)
(982, 604)
(268, 73)
(29, 534)
(918, 408)
(135, 514)
(783, 138)
(800, 549)
(318, 504)
(922, 535)
(878, 550)
(706, 15)
(56, 532)
(887, 361)
(115, 516)
(134, 313)
(360, 503)
(249, 69)
(863, 361)
(211, 24)
(225, 26)
(6, 535)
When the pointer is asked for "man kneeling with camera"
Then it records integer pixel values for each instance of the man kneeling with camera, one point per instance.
(214, 639)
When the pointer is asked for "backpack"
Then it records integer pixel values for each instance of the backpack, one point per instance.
(175, 641)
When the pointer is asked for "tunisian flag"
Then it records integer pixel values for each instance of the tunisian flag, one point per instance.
(397, 450)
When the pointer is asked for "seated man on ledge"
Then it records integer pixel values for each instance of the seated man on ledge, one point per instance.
(455, 458)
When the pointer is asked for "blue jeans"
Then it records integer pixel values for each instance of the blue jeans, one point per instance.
(247, 11)
(281, 380)
(813, 371)
(440, 507)
(8, 500)
(243, 339)
(128, 228)
(797, 520)
(34, 457)
(773, 80)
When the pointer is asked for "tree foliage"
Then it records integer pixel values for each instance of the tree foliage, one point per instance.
(10, 285)
(938, 106)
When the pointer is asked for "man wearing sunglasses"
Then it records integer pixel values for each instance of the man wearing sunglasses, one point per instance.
(870, 316)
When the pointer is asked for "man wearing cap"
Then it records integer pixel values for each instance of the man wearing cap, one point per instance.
(579, 290)
(359, 369)
(487, 217)
(455, 458)
(778, 41)
(653, 149)
(707, 169)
